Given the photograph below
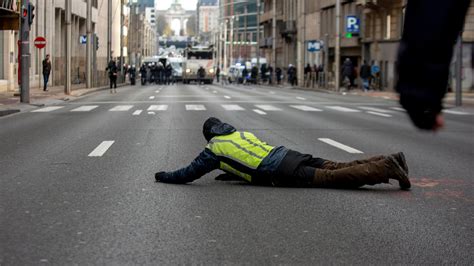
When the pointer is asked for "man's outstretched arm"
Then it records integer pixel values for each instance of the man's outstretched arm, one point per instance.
(430, 32)
(203, 164)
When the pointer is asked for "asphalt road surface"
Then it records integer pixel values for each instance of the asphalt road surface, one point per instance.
(77, 182)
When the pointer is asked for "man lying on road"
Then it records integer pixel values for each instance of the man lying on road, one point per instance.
(244, 157)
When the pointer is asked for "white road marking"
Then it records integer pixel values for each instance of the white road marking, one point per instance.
(301, 98)
(47, 109)
(214, 91)
(267, 107)
(160, 107)
(195, 107)
(306, 108)
(232, 107)
(151, 113)
(152, 97)
(379, 114)
(121, 108)
(158, 91)
(227, 97)
(398, 109)
(85, 108)
(343, 109)
(271, 92)
(339, 145)
(455, 112)
(260, 112)
(375, 109)
(137, 112)
(101, 149)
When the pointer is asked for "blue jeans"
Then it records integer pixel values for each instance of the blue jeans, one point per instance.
(46, 79)
(365, 84)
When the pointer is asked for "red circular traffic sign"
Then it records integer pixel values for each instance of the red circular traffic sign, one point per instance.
(40, 42)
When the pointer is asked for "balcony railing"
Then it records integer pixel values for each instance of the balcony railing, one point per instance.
(9, 6)
(267, 16)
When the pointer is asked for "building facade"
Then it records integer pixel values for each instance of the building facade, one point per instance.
(142, 35)
(239, 19)
(49, 22)
(207, 19)
(290, 25)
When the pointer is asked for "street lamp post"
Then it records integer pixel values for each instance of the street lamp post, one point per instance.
(89, 45)
(258, 35)
(225, 46)
(337, 54)
(231, 41)
(237, 35)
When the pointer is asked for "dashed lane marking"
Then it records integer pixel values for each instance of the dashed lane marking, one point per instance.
(195, 107)
(343, 109)
(85, 108)
(232, 107)
(100, 150)
(137, 112)
(121, 108)
(227, 97)
(306, 108)
(301, 98)
(151, 97)
(267, 107)
(260, 112)
(398, 109)
(455, 112)
(339, 145)
(379, 114)
(373, 109)
(159, 107)
(47, 109)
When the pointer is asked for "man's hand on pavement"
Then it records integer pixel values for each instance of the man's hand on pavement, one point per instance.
(160, 176)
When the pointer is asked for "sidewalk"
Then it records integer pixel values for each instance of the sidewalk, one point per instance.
(10, 102)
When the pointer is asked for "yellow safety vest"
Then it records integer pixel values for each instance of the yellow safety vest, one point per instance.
(241, 150)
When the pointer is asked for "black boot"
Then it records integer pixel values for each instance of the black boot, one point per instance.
(400, 158)
(370, 173)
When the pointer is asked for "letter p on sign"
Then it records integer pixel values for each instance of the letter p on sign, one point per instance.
(352, 24)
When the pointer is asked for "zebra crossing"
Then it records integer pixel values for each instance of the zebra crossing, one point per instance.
(261, 109)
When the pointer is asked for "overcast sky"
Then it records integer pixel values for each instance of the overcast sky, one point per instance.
(187, 4)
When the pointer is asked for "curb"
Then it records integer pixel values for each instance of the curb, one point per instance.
(8, 112)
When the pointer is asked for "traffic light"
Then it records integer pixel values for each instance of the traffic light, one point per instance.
(96, 42)
(24, 13)
(31, 13)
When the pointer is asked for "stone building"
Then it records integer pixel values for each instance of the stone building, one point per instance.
(207, 19)
(49, 22)
(241, 19)
(142, 37)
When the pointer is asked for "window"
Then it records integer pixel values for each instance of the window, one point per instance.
(388, 26)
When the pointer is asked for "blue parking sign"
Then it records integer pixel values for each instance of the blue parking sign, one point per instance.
(352, 24)
(314, 46)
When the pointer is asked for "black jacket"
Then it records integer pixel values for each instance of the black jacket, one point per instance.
(430, 32)
(365, 72)
(208, 161)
